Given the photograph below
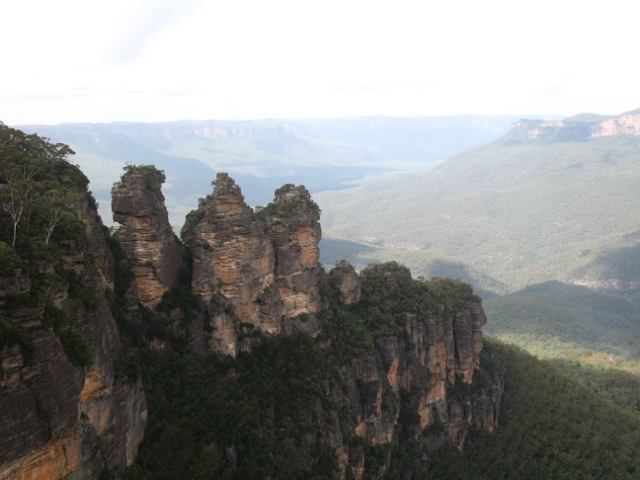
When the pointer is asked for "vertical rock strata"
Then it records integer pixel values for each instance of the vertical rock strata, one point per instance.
(265, 264)
(424, 365)
(59, 420)
(145, 233)
(293, 221)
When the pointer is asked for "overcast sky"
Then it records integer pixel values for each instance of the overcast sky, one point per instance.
(155, 60)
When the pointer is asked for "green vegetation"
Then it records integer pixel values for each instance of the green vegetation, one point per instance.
(79, 290)
(9, 260)
(617, 386)
(551, 427)
(236, 419)
(37, 191)
(617, 264)
(557, 320)
(246, 418)
(512, 214)
(12, 334)
(72, 343)
(38, 219)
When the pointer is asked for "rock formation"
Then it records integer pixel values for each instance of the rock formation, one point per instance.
(441, 350)
(293, 222)
(265, 264)
(579, 128)
(345, 279)
(421, 381)
(416, 375)
(58, 418)
(145, 235)
(627, 124)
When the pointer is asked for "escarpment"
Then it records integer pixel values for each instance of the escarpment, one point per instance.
(145, 234)
(64, 410)
(419, 381)
(354, 368)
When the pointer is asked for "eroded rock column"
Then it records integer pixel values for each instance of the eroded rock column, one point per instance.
(146, 235)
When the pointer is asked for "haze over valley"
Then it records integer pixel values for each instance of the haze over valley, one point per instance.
(264, 154)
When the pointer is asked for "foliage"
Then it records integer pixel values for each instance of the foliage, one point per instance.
(551, 427)
(77, 289)
(12, 334)
(511, 214)
(72, 343)
(566, 321)
(617, 386)
(36, 186)
(245, 418)
(9, 260)
(618, 264)
(207, 415)
(40, 194)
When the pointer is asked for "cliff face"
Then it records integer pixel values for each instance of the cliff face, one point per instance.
(424, 365)
(264, 264)
(63, 412)
(580, 128)
(260, 271)
(627, 124)
(145, 235)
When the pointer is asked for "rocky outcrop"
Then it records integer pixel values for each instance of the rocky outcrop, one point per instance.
(293, 225)
(420, 385)
(232, 254)
(265, 264)
(611, 284)
(576, 129)
(63, 411)
(627, 124)
(145, 233)
(437, 356)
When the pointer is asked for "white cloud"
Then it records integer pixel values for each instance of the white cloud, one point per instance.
(73, 60)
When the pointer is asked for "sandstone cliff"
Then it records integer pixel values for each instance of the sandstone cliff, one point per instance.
(401, 359)
(145, 235)
(579, 128)
(424, 365)
(265, 264)
(63, 411)
(259, 272)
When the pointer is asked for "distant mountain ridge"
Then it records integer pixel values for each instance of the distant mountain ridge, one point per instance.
(538, 204)
(577, 128)
(324, 154)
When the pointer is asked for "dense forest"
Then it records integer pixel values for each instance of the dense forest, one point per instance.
(552, 427)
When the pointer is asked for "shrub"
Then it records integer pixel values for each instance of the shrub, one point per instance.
(9, 260)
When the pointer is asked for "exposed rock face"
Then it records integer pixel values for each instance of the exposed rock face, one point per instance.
(54, 415)
(428, 371)
(421, 382)
(443, 351)
(627, 124)
(580, 128)
(345, 279)
(294, 226)
(265, 264)
(232, 254)
(145, 234)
